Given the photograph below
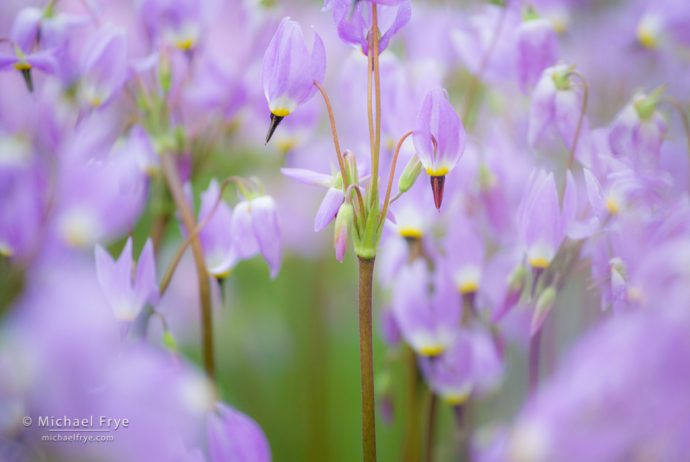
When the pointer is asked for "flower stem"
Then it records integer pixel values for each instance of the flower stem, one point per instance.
(391, 176)
(366, 359)
(411, 446)
(431, 427)
(534, 352)
(334, 132)
(172, 177)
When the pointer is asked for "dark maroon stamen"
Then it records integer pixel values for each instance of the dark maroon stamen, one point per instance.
(437, 183)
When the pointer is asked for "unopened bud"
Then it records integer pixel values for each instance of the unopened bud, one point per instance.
(169, 341)
(165, 72)
(646, 105)
(545, 304)
(409, 176)
(351, 167)
(343, 223)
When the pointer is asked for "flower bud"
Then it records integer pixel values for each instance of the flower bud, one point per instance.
(169, 341)
(410, 174)
(646, 105)
(351, 167)
(545, 304)
(343, 223)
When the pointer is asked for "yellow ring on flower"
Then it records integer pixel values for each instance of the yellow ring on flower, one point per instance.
(539, 262)
(441, 171)
(408, 232)
(431, 350)
(22, 66)
(468, 287)
(280, 112)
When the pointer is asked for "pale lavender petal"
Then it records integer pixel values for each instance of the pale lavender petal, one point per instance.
(26, 27)
(232, 436)
(267, 231)
(308, 176)
(243, 238)
(329, 208)
(145, 284)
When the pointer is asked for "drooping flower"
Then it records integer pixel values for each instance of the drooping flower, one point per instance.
(537, 49)
(555, 107)
(173, 23)
(103, 68)
(621, 412)
(255, 229)
(439, 139)
(332, 200)
(216, 236)
(470, 365)
(126, 286)
(638, 132)
(542, 222)
(465, 251)
(289, 71)
(233, 436)
(354, 20)
(25, 55)
(428, 321)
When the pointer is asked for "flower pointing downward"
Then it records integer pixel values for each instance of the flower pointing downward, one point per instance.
(289, 71)
(439, 139)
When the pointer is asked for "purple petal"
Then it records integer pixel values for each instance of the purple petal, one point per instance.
(26, 27)
(267, 231)
(308, 176)
(329, 208)
(145, 284)
(243, 238)
(232, 436)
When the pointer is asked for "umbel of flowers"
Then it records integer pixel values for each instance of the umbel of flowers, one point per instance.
(291, 75)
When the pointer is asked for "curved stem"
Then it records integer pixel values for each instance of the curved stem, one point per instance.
(366, 359)
(581, 118)
(360, 210)
(167, 278)
(397, 196)
(173, 179)
(334, 131)
(386, 200)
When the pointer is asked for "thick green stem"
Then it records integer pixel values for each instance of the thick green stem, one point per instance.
(366, 359)
(172, 177)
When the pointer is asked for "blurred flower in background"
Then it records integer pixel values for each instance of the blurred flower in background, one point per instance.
(531, 305)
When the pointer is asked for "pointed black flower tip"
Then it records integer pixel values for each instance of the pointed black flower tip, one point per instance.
(26, 73)
(275, 121)
(437, 183)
